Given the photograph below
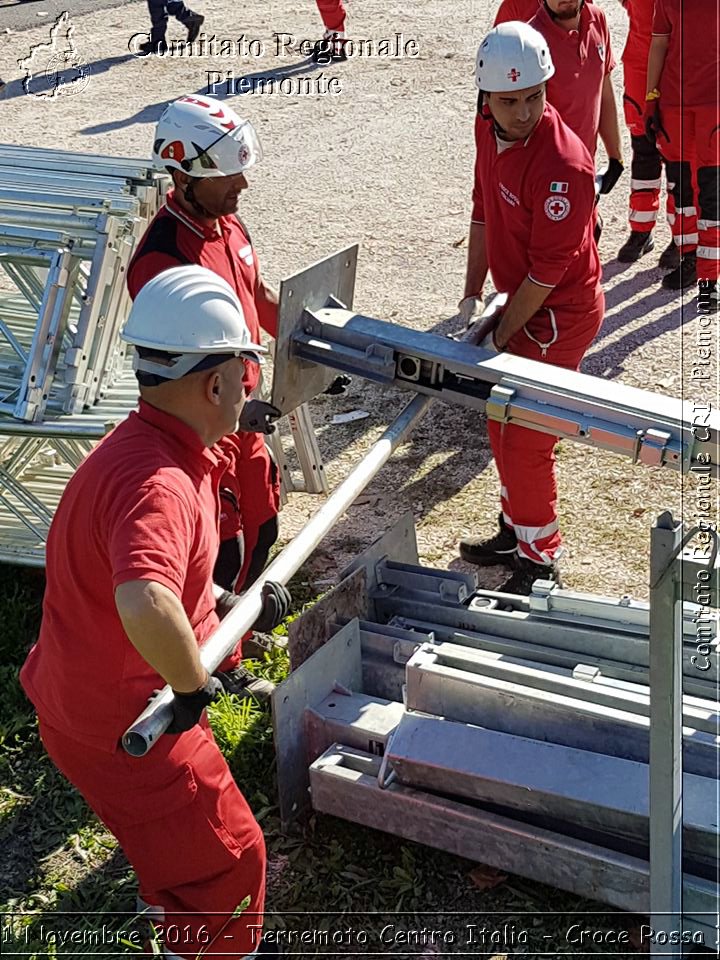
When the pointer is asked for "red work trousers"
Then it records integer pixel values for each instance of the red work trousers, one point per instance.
(525, 459)
(646, 164)
(187, 831)
(333, 15)
(690, 149)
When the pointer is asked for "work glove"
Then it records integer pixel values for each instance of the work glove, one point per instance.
(607, 178)
(187, 708)
(276, 606)
(470, 309)
(338, 386)
(257, 416)
(653, 121)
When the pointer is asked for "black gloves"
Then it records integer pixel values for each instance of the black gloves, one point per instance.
(339, 385)
(610, 176)
(276, 606)
(258, 417)
(653, 121)
(188, 707)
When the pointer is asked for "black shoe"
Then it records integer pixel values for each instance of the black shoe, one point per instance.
(670, 257)
(256, 646)
(331, 47)
(498, 549)
(150, 47)
(707, 296)
(526, 573)
(637, 244)
(3, 85)
(193, 24)
(243, 684)
(684, 275)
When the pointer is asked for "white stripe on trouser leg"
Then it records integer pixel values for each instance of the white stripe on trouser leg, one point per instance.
(709, 253)
(646, 184)
(684, 238)
(643, 216)
(708, 224)
(670, 217)
(531, 534)
(686, 211)
(544, 558)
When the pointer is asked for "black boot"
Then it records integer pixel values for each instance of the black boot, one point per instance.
(684, 275)
(670, 257)
(638, 243)
(150, 47)
(491, 550)
(526, 573)
(193, 22)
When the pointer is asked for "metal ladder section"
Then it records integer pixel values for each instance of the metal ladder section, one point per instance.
(69, 223)
(542, 735)
(319, 333)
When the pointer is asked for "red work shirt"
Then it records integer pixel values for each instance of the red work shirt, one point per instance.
(690, 72)
(175, 238)
(537, 201)
(637, 45)
(582, 59)
(516, 10)
(142, 506)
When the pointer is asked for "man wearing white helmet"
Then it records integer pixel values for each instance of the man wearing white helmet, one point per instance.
(532, 229)
(208, 149)
(128, 602)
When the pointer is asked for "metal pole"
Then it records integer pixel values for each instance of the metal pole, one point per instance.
(152, 722)
(666, 766)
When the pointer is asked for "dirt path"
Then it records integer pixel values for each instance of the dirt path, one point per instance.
(388, 162)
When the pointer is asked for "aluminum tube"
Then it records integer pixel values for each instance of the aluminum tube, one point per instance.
(152, 722)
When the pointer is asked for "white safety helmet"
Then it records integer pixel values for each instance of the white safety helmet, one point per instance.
(512, 56)
(192, 315)
(204, 138)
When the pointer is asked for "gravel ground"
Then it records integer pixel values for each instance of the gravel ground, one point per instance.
(387, 161)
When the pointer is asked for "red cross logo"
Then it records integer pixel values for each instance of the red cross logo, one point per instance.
(557, 208)
(514, 75)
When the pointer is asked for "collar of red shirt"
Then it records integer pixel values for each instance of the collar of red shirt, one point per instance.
(201, 229)
(206, 458)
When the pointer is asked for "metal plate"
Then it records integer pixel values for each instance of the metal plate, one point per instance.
(336, 663)
(344, 602)
(297, 381)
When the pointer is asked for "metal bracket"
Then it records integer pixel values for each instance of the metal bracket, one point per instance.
(498, 402)
(650, 447)
(447, 585)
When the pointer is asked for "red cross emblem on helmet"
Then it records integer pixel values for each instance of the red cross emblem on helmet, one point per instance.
(514, 75)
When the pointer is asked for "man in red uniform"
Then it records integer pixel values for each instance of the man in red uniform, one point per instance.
(532, 228)
(332, 45)
(523, 10)
(128, 603)
(682, 114)
(581, 89)
(646, 169)
(208, 148)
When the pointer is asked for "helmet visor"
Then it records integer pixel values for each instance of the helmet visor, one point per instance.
(231, 154)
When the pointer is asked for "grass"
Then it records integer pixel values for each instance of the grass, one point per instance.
(327, 874)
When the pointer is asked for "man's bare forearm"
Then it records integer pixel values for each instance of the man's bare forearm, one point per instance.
(656, 61)
(266, 301)
(528, 299)
(477, 262)
(609, 123)
(157, 626)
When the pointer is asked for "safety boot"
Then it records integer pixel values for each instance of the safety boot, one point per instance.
(638, 243)
(684, 275)
(670, 257)
(526, 573)
(331, 47)
(244, 684)
(485, 552)
(193, 22)
(152, 46)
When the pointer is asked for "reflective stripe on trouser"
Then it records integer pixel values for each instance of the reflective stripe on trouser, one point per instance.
(333, 14)
(694, 138)
(646, 163)
(187, 831)
(525, 459)
(156, 915)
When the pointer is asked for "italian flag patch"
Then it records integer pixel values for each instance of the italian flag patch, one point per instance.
(558, 186)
